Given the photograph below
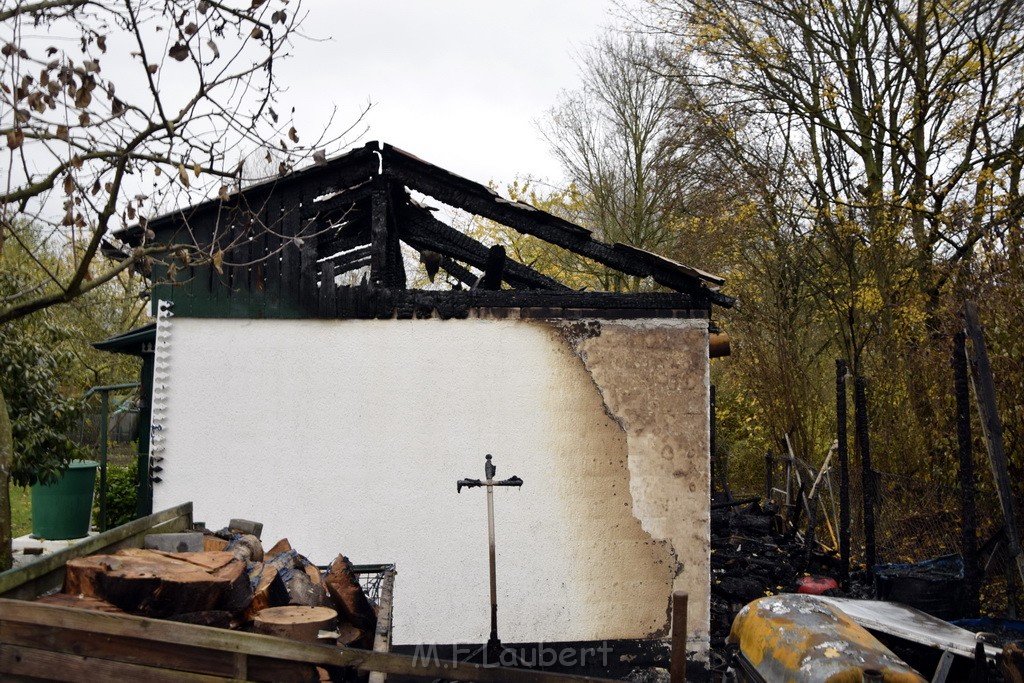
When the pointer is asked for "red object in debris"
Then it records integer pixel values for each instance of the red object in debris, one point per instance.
(815, 585)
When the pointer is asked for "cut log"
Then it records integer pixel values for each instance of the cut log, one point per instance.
(301, 578)
(296, 622)
(318, 591)
(160, 584)
(349, 599)
(79, 602)
(246, 548)
(348, 635)
(211, 542)
(270, 590)
(281, 546)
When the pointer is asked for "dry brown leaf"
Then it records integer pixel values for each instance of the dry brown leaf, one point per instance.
(178, 52)
(15, 138)
(183, 175)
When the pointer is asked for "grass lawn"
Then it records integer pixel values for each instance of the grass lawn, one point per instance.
(21, 510)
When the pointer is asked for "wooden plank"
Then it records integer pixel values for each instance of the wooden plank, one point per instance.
(122, 625)
(273, 225)
(988, 411)
(47, 573)
(308, 291)
(395, 275)
(241, 257)
(145, 652)
(291, 258)
(382, 636)
(680, 600)
(338, 204)
(157, 653)
(58, 666)
(325, 296)
(379, 235)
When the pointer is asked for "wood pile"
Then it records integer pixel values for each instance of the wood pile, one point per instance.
(232, 583)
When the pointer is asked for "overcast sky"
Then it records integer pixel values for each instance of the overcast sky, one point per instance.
(459, 83)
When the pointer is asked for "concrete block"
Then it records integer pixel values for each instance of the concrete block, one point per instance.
(190, 542)
(244, 526)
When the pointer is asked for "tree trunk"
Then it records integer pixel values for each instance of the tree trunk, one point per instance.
(6, 460)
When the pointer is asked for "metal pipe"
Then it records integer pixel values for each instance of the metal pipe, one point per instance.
(494, 579)
(110, 387)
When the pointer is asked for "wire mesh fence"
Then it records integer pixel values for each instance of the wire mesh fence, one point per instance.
(916, 519)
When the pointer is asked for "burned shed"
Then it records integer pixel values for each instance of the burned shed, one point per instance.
(349, 411)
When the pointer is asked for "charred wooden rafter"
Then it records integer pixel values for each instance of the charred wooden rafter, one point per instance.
(379, 232)
(375, 302)
(350, 260)
(422, 231)
(332, 245)
(290, 235)
(395, 274)
(494, 267)
(348, 170)
(459, 272)
(475, 198)
(338, 203)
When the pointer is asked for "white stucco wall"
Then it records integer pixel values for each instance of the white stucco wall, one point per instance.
(349, 436)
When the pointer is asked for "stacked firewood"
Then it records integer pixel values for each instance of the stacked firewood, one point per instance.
(231, 582)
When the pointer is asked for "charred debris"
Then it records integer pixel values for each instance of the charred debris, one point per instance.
(288, 248)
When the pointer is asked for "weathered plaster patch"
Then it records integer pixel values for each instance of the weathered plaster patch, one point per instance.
(654, 382)
(626, 573)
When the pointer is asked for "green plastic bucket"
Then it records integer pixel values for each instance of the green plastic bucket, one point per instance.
(64, 509)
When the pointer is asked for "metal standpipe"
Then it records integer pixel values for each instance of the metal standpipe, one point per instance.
(493, 643)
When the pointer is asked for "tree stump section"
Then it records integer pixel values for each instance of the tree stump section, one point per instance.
(158, 584)
(295, 622)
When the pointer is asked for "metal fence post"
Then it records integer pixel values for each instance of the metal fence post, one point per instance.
(844, 471)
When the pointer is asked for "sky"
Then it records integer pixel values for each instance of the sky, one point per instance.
(459, 83)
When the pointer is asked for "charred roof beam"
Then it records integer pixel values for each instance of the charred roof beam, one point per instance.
(477, 199)
(422, 231)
